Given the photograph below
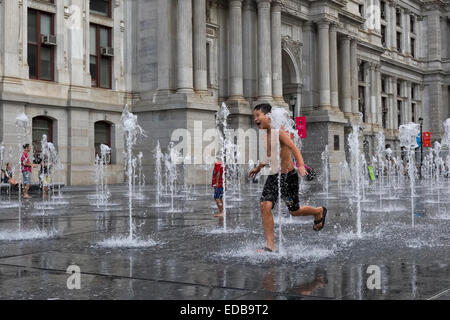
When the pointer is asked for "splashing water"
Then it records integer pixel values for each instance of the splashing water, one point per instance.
(408, 134)
(353, 142)
(446, 138)
(101, 176)
(226, 147)
(325, 164)
(172, 158)
(280, 120)
(132, 130)
(158, 160)
(21, 126)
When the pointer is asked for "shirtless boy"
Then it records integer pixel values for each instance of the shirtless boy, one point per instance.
(288, 182)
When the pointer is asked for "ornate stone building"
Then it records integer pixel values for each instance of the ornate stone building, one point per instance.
(175, 61)
(331, 60)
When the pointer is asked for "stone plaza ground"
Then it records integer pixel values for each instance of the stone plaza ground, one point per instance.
(192, 257)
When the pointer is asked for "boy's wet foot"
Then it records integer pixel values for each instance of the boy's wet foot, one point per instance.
(320, 222)
(267, 249)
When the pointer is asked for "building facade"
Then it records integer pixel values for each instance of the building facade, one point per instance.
(53, 68)
(175, 61)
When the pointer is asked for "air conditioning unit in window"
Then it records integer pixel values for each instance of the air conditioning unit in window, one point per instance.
(48, 40)
(108, 52)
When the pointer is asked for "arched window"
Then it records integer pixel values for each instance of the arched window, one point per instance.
(102, 135)
(41, 125)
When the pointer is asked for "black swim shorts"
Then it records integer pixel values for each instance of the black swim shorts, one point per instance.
(289, 190)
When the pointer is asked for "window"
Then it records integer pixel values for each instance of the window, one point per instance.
(399, 113)
(399, 41)
(383, 84)
(399, 88)
(336, 142)
(384, 110)
(398, 17)
(102, 7)
(383, 35)
(413, 87)
(361, 75)
(362, 101)
(41, 54)
(413, 47)
(208, 64)
(100, 64)
(383, 9)
(361, 9)
(412, 23)
(413, 112)
(40, 125)
(102, 135)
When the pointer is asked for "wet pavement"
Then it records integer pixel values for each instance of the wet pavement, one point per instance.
(189, 255)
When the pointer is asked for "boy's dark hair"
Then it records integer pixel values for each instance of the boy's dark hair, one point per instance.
(264, 107)
(25, 146)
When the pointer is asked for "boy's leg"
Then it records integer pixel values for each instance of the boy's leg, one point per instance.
(219, 203)
(267, 221)
(218, 194)
(308, 211)
(25, 191)
(289, 191)
(269, 197)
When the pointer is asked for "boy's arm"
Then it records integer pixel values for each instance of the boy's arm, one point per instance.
(286, 140)
(214, 178)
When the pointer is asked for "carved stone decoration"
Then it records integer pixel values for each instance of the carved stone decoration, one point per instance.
(295, 48)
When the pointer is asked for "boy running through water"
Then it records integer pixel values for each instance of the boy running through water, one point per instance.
(288, 182)
(217, 183)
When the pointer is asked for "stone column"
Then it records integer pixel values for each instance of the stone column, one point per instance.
(393, 26)
(199, 34)
(163, 46)
(373, 94)
(334, 95)
(354, 75)
(346, 88)
(388, 25)
(444, 35)
(389, 103)
(394, 104)
(408, 107)
(277, 79)
(309, 75)
(236, 80)
(324, 63)
(404, 32)
(407, 30)
(378, 95)
(434, 36)
(264, 51)
(184, 46)
(249, 48)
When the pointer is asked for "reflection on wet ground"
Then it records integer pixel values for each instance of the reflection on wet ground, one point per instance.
(190, 256)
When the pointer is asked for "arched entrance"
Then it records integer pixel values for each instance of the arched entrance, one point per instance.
(291, 82)
(42, 125)
(103, 135)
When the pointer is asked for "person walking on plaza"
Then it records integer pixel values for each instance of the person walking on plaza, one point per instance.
(217, 183)
(26, 170)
